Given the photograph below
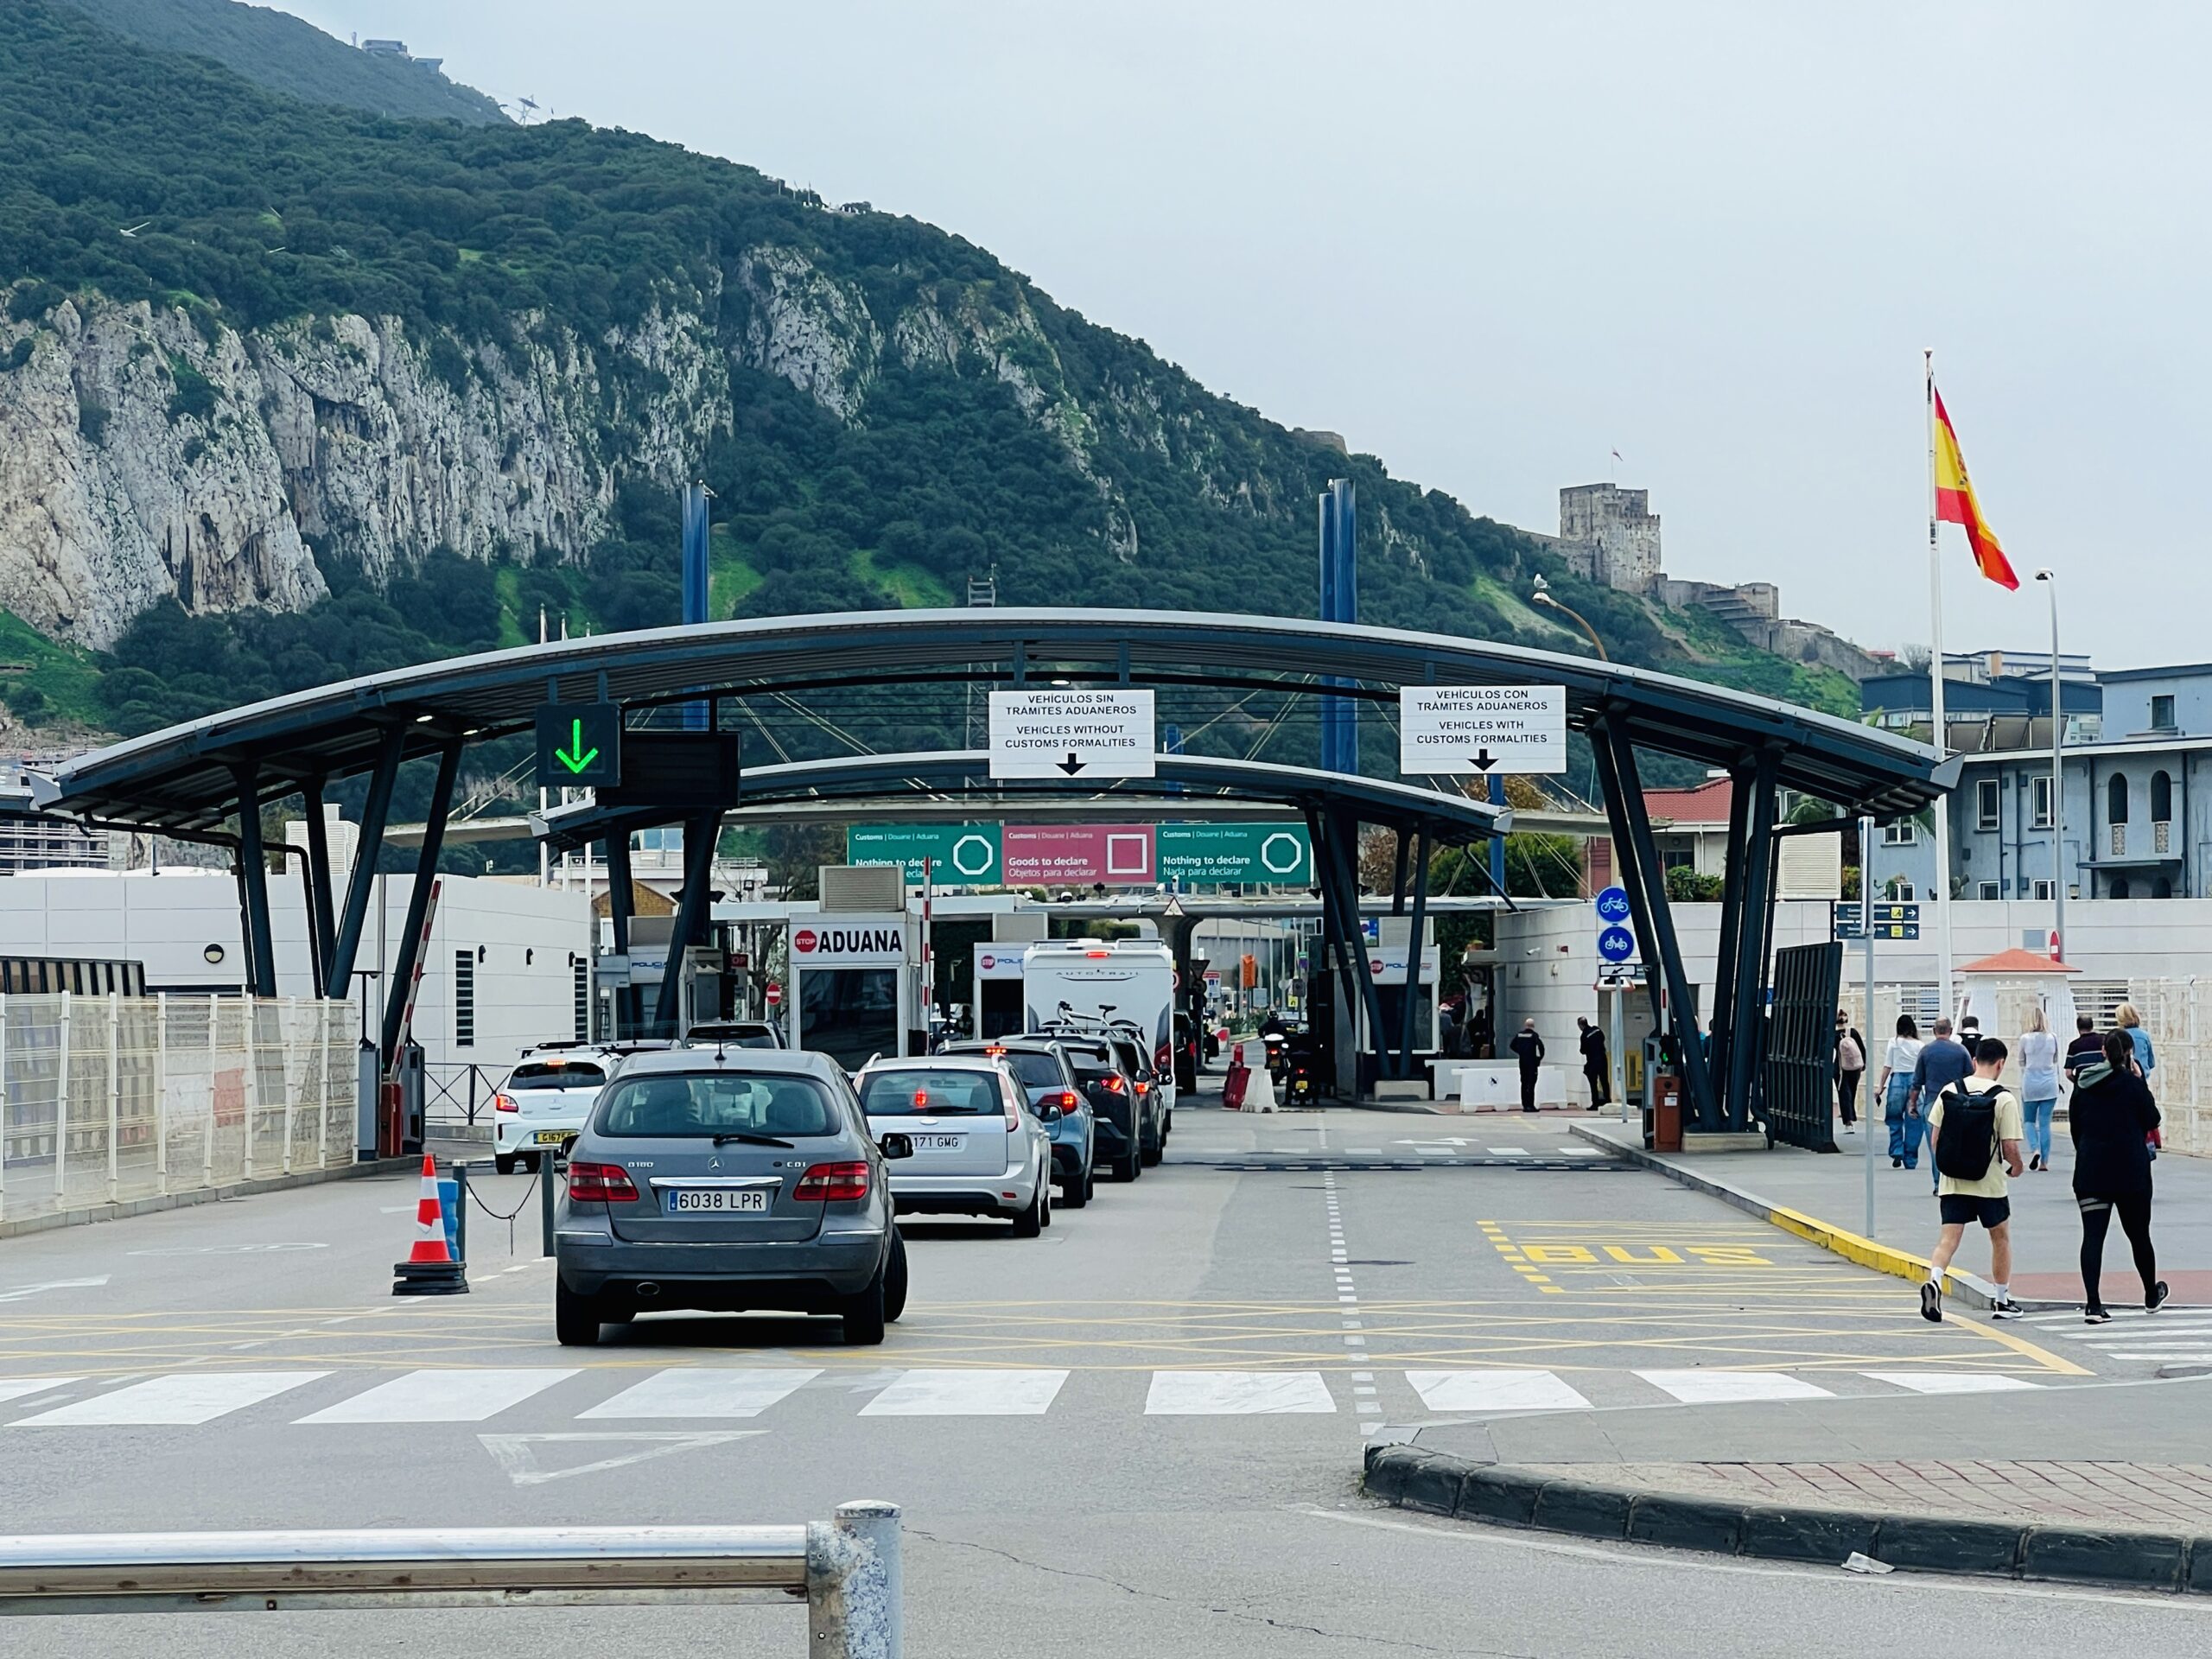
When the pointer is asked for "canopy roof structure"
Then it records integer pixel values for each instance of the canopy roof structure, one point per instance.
(956, 783)
(185, 778)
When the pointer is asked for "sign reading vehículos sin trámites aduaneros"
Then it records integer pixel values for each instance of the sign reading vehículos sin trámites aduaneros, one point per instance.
(1072, 732)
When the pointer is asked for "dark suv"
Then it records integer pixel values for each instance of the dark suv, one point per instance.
(1108, 1073)
(1046, 1077)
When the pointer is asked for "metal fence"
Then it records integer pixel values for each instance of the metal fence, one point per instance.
(455, 1092)
(2175, 1013)
(111, 1099)
(846, 1569)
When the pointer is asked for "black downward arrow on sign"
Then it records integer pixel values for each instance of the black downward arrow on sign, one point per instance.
(1071, 765)
(1485, 759)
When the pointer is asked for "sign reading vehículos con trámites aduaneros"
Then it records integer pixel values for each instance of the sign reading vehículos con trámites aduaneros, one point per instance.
(1072, 732)
(1481, 729)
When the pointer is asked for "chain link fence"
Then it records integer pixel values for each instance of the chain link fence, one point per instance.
(112, 1099)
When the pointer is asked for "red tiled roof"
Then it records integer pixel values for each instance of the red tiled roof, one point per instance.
(1707, 803)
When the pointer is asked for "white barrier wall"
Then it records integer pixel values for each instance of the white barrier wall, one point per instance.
(111, 1099)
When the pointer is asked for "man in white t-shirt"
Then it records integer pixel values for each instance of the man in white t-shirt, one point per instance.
(1995, 1112)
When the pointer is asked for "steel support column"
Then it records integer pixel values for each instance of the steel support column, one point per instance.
(1627, 793)
(318, 950)
(253, 880)
(1731, 912)
(418, 899)
(699, 834)
(322, 923)
(1748, 1018)
(1398, 875)
(1343, 860)
(338, 974)
(1414, 953)
(620, 896)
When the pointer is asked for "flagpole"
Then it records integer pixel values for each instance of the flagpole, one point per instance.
(1942, 735)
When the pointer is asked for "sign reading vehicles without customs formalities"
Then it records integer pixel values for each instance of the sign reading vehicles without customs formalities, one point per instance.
(1481, 729)
(1072, 732)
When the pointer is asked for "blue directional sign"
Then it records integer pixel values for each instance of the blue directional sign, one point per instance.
(1617, 944)
(1612, 906)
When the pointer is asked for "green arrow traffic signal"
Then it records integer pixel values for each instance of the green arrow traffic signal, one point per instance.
(576, 757)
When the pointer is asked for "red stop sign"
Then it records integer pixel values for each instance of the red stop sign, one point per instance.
(774, 994)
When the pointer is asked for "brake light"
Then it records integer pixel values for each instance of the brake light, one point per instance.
(832, 1183)
(1069, 1100)
(504, 1103)
(1098, 956)
(921, 1098)
(1143, 1088)
(994, 1052)
(1162, 1057)
(1114, 1084)
(1013, 1117)
(600, 1184)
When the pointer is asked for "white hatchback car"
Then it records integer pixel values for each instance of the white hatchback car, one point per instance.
(544, 1104)
(979, 1149)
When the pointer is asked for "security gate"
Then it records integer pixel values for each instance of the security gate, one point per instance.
(1800, 1071)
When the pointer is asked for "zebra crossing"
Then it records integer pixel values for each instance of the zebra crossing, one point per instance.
(2175, 1335)
(1456, 1153)
(708, 1394)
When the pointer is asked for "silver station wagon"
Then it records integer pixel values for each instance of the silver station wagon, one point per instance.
(724, 1179)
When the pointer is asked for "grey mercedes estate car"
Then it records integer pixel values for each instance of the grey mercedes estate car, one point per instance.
(728, 1179)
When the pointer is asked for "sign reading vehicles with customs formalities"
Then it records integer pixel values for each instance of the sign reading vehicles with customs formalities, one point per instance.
(1481, 729)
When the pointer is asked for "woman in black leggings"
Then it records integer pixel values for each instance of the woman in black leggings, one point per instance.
(2111, 1115)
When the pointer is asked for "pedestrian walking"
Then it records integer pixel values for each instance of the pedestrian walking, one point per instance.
(2146, 1058)
(2038, 1085)
(1942, 1061)
(1894, 1086)
(2111, 1116)
(1974, 1127)
(1529, 1047)
(1595, 1067)
(1850, 1068)
(2086, 1048)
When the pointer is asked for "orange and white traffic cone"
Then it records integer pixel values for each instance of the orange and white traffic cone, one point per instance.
(429, 1268)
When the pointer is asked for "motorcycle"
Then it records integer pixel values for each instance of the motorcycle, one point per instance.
(1301, 1065)
(1277, 1045)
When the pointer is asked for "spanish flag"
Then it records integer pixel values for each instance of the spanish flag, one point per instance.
(1955, 503)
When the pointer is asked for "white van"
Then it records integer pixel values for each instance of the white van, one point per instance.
(1128, 981)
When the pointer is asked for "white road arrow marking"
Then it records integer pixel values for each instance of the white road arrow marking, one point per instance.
(22, 1293)
(516, 1454)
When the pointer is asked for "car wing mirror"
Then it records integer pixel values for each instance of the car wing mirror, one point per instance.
(1049, 1114)
(895, 1145)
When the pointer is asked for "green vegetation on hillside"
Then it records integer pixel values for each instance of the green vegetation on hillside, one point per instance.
(1105, 477)
(46, 684)
(288, 55)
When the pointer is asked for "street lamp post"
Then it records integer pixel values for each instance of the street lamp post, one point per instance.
(2057, 783)
(1543, 596)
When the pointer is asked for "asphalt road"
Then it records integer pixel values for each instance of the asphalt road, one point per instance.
(1138, 1433)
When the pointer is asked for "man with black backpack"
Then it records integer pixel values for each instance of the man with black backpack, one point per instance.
(1975, 1129)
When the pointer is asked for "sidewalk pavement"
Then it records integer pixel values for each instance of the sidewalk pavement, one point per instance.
(2046, 1225)
(2111, 1483)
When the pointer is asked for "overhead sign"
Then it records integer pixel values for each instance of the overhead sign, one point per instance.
(959, 854)
(1262, 853)
(1118, 855)
(579, 746)
(679, 769)
(1073, 732)
(1481, 729)
(989, 854)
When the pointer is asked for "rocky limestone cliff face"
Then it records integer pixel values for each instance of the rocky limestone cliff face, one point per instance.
(145, 453)
(140, 460)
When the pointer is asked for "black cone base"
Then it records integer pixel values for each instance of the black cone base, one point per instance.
(429, 1279)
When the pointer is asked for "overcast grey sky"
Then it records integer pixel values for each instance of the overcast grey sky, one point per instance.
(1491, 244)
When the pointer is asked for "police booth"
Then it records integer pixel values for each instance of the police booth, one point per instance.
(852, 993)
(998, 988)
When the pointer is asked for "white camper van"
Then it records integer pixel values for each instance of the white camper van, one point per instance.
(1127, 982)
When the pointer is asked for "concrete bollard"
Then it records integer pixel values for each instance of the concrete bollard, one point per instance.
(854, 1590)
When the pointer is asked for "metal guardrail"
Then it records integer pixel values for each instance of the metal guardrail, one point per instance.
(847, 1569)
(453, 1091)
